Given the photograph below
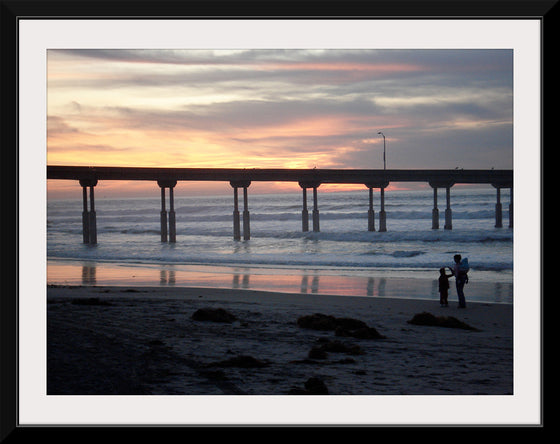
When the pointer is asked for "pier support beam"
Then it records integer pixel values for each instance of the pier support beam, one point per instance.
(382, 215)
(172, 228)
(435, 212)
(236, 223)
(246, 216)
(85, 216)
(163, 217)
(448, 216)
(165, 232)
(499, 220)
(498, 223)
(371, 213)
(447, 184)
(304, 213)
(315, 212)
(382, 184)
(89, 219)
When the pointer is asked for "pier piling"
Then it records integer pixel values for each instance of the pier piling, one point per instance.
(371, 213)
(382, 214)
(85, 216)
(435, 212)
(236, 222)
(89, 218)
(315, 211)
(448, 214)
(246, 215)
(164, 219)
(246, 218)
(304, 212)
(381, 184)
(498, 223)
(447, 184)
(172, 228)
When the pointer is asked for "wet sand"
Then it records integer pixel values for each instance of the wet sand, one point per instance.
(379, 283)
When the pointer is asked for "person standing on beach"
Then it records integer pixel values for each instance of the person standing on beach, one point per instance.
(443, 287)
(461, 279)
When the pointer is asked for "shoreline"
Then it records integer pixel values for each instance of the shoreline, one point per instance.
(485, 314)
(377, 283)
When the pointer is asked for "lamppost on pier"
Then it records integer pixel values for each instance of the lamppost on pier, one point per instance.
(384, 162)
(382, 216)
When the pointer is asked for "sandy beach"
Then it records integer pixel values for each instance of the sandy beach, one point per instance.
(110, 340)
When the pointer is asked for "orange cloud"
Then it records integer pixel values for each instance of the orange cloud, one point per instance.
(109, 142)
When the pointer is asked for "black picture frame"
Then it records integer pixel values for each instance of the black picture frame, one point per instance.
(13, 11)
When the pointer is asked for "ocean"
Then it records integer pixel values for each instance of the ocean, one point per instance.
(343, 258)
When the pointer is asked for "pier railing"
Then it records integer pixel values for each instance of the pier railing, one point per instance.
(88, 177)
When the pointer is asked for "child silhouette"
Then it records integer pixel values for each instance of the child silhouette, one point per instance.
(443, 287)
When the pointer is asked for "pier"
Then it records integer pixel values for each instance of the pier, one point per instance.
(240, 178)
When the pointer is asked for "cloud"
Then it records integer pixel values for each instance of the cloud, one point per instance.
(87, 148)
(438, 108)
(297, 67)
(57, 125)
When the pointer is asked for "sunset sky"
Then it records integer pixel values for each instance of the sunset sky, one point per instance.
(278, 109)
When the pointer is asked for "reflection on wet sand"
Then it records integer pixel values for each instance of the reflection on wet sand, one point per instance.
(369, 286)
(300, 281)
(89, 274)
(372, 290)
(167, 277)
(244, 283)
(305, 284)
